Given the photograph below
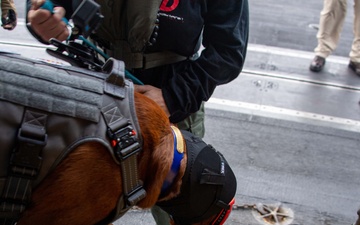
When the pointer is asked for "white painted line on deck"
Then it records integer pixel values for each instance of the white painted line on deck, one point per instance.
(298, 78)
(282, 113)
(294, 53)
(23, 44)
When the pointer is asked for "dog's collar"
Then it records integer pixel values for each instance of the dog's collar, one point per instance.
(179, 148)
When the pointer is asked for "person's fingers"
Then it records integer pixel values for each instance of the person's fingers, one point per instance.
(137, 88)
(62, 35)
(59, 12)
(57, 30)
(38, 16)
(141, 88)
(36, 4)
(48, 25)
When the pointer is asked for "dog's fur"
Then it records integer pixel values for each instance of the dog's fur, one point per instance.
(86, 186)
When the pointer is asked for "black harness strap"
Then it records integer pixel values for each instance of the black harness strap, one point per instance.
(25, 163)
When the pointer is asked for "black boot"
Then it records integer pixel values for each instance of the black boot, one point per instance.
(358, 220)
(355, 67)
(317, 64)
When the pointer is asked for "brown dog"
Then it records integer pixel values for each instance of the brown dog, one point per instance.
(86, 186)
(104, 179)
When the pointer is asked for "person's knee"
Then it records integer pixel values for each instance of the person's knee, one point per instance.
(195, 123)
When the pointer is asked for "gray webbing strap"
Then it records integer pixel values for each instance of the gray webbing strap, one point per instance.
(122, 128)
(25, 163)
(115, 81)
(126, 148)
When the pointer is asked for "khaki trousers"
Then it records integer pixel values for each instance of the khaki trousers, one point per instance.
(331, 22)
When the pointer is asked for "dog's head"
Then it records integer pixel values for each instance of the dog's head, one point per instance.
(208, 186)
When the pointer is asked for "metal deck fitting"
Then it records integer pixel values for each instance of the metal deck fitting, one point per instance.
(274, 214)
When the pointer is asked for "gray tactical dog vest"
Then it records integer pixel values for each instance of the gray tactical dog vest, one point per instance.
(46, 111)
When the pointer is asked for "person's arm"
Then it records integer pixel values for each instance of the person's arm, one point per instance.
(225, 40)
(43, 24)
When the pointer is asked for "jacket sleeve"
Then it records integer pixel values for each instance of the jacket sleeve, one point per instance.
(67, 4)
(225, 37)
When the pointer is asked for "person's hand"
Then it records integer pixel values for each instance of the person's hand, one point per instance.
(153, 93)
(47, 24)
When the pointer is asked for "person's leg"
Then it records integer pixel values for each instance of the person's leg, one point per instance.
(355, 47)
(160, 216)
(332, 19)
(195, 124)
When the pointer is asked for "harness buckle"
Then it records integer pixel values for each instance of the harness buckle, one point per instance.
(125, 147)
(135, 195)
(26, 160)
(31, 140)
(124, 142)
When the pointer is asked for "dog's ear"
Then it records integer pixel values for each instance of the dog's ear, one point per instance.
(152, 119)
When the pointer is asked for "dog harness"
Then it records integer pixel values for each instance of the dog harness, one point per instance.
(46, 111)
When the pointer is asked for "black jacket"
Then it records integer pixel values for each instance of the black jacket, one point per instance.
(224, 25)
